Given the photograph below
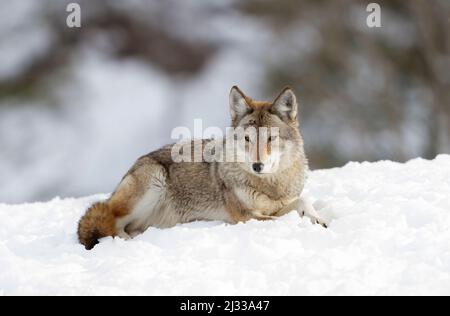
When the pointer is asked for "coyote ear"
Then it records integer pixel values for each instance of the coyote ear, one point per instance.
(285, 105)
(238, 105)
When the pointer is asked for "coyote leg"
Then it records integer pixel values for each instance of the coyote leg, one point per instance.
(305, 208)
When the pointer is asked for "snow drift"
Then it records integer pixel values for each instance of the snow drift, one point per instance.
(389, 234)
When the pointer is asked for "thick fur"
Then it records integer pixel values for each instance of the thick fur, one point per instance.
(98, 222)
(158, 192)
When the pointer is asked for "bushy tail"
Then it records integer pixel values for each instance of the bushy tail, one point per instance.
(99, 221)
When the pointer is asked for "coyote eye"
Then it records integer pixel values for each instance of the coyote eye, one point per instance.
(247, 139)
(272, 138)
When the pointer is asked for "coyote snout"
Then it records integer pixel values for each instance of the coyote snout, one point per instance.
(262, 152)
(258, 167)
(265, 159)
(159, 192)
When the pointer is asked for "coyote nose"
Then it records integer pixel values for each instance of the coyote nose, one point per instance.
(258, 167)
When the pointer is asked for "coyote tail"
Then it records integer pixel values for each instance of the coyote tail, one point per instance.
(99, 221)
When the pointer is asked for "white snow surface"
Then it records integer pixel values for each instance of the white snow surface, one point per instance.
(389, 234)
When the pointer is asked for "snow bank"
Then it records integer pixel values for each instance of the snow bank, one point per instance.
(389, 234)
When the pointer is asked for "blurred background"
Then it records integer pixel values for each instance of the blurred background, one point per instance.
(78, 106)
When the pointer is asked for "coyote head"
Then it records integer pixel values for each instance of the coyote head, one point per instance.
(266, 133)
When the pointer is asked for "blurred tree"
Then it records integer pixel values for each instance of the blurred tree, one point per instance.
(365, 90)
(133, 36)
(366, 93)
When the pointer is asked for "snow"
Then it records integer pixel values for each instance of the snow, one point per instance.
(389, 234)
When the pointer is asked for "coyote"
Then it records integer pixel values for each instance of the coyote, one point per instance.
(158, 192)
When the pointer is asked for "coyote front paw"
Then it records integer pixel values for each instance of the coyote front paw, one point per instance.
(320, 222)
(315, 220)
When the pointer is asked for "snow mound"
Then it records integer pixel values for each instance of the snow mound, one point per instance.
(389, 234)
